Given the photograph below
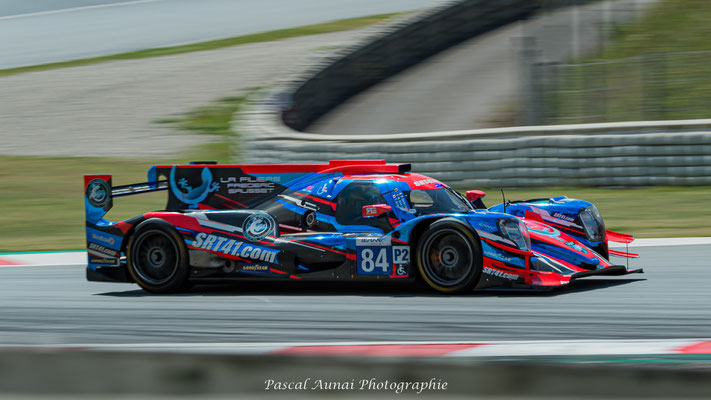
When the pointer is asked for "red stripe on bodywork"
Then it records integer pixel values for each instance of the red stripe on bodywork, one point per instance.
(5, 261)
(623, 254)
(379, 350)
(696, 348)
(619, 237)
(329, 203)
(123, 226)
(354, 167)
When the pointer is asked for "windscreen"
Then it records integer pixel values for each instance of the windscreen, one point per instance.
(434, 201)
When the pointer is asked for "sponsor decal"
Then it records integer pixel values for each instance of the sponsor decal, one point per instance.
(501, 255)
(486, 226)
(189, 195)
(232, 247)
(325, 188)
(500, 274)
(250, 184)
(254, 268)
(373, 241)
(492, 253)
(563, 217)
(258, 226)
(104, 239)
(102, 251)
(577, 247)
(98, 193)
(400, 201)
(104, 261)
(425, 182)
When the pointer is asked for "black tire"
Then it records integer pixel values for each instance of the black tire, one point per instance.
(449, 257)
(157, 258)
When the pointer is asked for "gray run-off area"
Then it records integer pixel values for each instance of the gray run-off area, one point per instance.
(40, 32)
(111, 109)
(56, 305)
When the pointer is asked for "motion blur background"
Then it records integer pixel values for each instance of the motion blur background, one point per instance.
(114, 87)
(607, 101)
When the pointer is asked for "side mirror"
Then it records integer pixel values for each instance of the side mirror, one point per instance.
(375, 210)
(472, 195)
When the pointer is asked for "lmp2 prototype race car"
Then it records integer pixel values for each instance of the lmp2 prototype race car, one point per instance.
(345, 220)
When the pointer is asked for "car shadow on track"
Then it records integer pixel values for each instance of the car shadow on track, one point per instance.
(577, 286)
(368, 289)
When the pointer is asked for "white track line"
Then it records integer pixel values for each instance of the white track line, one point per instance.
(66, 10)
(481, 349)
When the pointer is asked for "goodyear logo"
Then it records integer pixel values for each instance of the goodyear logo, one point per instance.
(254, 268)
(232, 247)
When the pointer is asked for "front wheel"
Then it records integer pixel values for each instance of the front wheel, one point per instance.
(449, 258)
(157, 258)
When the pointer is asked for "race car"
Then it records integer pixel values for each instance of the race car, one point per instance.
(356, 220)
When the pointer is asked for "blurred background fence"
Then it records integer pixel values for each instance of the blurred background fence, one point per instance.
(642, 88)
(661, 86)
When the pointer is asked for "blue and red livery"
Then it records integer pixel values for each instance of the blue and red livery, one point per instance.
(346, 220)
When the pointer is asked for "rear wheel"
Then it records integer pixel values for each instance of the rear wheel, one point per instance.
(157, 258)
(449, 258)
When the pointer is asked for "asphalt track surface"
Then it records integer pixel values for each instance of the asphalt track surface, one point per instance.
(55, 305)
(39, 32)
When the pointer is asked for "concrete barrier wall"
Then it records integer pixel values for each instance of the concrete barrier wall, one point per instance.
(611, 154)
(393, 49)
(624, 154)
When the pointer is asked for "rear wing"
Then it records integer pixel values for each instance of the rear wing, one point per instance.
(99, 194)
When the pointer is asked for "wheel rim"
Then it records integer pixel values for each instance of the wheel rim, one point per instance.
(447, 257)
(155, 259)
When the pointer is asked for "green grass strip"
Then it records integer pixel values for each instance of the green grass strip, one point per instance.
(651, 81)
